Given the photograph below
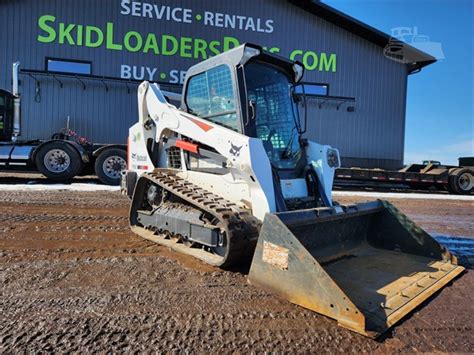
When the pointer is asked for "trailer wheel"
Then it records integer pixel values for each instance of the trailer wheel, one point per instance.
(462, 181)
(58, 161)
(109, 165)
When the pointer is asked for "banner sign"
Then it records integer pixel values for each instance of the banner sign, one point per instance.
(105, 36)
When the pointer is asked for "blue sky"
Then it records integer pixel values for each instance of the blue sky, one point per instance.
(440, 113)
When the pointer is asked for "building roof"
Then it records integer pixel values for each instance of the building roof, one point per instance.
(414, 58)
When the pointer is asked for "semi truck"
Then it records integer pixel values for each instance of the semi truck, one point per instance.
(62, 157)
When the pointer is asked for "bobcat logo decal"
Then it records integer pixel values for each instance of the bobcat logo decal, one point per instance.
(235, 150)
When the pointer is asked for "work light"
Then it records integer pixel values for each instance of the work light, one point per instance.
(299, 70)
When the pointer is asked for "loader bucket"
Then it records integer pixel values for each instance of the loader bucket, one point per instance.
(366, 265)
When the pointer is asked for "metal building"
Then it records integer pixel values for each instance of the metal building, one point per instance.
(72, 49)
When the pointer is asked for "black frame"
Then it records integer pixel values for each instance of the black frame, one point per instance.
(79, 61)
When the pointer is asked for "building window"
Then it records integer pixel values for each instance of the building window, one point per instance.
(313, 89)
(68, 66)
(210, 95)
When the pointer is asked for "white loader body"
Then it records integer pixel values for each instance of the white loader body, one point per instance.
(249, 182)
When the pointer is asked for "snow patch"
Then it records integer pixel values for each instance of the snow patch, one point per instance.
(57, 187)
(402, 195)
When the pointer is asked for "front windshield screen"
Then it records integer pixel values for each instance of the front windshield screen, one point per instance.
(275, 113)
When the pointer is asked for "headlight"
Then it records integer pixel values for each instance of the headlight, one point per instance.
(333, 158)
(299, 71)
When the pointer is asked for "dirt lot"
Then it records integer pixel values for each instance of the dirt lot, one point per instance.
(74, 278)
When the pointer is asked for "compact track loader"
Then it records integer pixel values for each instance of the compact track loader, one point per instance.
(229, 177)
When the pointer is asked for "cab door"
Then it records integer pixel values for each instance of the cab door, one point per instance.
(6, 115)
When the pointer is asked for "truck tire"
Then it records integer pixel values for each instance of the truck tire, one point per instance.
(58, 161)
(109, 165)
(461, 181)
(451, 183)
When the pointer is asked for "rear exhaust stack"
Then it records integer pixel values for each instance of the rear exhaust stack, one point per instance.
(16, 103)
(367, 267)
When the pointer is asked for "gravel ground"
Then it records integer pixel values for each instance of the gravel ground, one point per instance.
(75, 279)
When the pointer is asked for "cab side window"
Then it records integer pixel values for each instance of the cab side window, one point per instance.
(210, 95)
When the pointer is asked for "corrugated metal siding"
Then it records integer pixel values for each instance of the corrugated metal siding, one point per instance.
(374, 131)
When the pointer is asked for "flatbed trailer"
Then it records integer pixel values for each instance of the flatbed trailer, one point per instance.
(430, 174)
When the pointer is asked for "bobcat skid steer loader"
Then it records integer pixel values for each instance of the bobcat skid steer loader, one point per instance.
(229, 177)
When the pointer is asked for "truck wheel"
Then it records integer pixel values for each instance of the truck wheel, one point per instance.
(462, 181)
(109, 165)
(451, 184)
(58, 161)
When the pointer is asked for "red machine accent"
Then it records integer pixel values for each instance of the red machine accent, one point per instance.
(204, 126)
(190, 147)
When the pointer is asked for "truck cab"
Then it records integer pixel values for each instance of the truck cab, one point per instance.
(6, 115)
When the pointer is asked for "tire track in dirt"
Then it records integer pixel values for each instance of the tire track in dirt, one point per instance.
(73, 278)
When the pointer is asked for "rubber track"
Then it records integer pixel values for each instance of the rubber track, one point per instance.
(242, 228)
